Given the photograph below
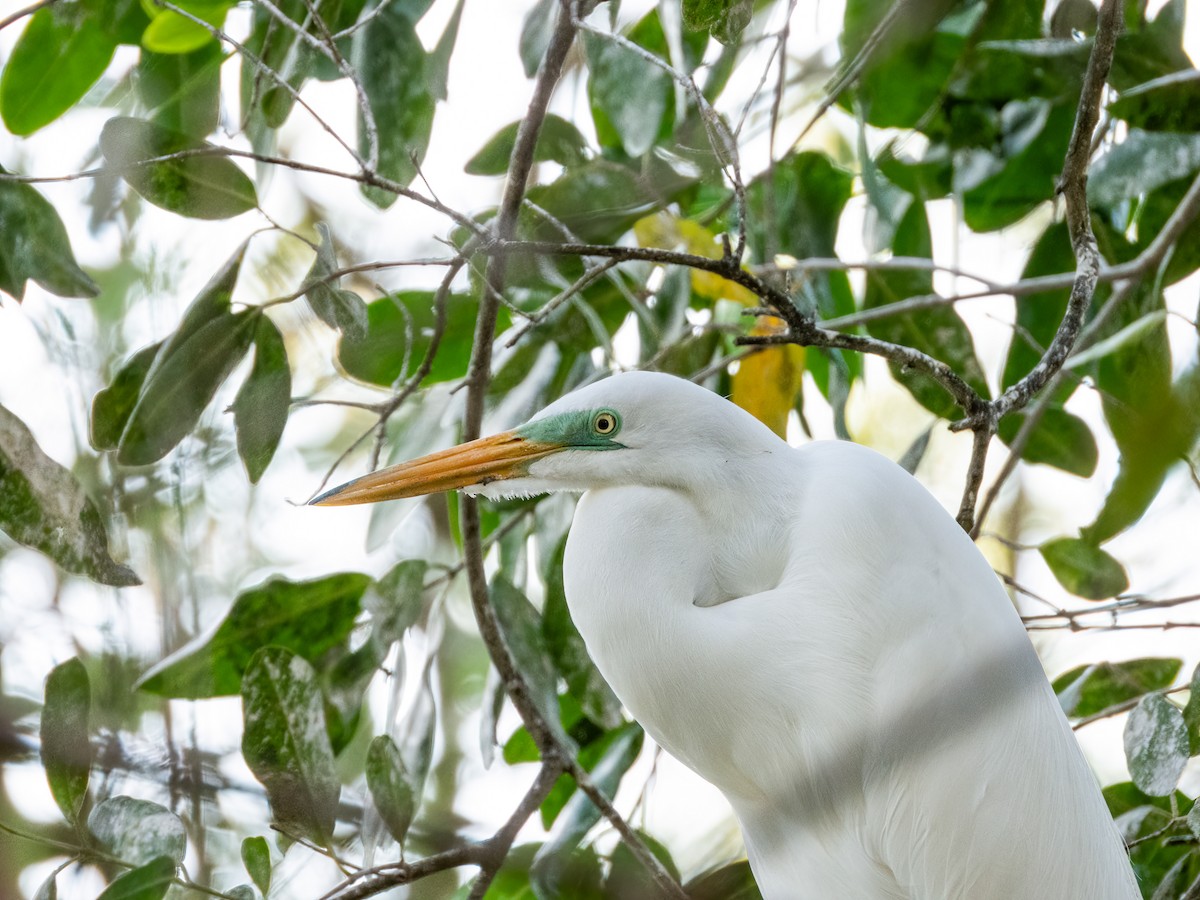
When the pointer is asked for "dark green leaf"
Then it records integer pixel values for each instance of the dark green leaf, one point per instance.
(202, 186)
(569, 653)
(392, 65)
(61, 53)
(559, 141)
(1165, 104)
(395, 601)
(437, 68)
(66, 747)
(590, 756)
(628, 877)
(1148, 50)
(260, 410)
(630, 96)
(112, 405)
(268, 91)
(399, 328)
(170, 32)
(1001, 71)
(1087, 690)
(938, 331)
(598, 200)
(42, 506)
(1156, 745)
(337, 308)
(1191, 713)
(256, 857)
(1084, 569)
(138, 831)
(285, 743)
(181, 385)
(391, 785)
(535, 34)
(724, 19)
(307, 617)
(1144, 161)
(522, 629)
(733, 881)
(148, 882)
(34, 245)
(927, 178)
(1060, 439)
(181, 91)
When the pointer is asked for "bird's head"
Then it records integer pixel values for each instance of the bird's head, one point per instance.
(637, 428)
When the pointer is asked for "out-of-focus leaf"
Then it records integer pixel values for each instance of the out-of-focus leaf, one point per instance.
(181, 91)
(392, 66)
(138, 831)
(285, 743)
(1000, 71)
(391, 786)
(62, 52)
(169, 32)
(569, 653)
(724, 19)
(598, 200)
(1087, 690)
(48, 889)
(1060, 439)
(1168, 103)
(938, 331)
(201, 186)
(395, 601)
(181, 384)
(767, 383)
(1191, 713)
(112, 405)
(437, 68)
(590, 756)
(398, 333)
(148, 882)
(1150, 49)
(733, 881)
(1033, 141)
(522, 629)
(1145, 160)
(627, 877)
(630, 96)
(1131, 333)
(307, 617)
(535, 34)
(66, 748)
(580, 814)
(559, 141)
(260, 410)
(34, 245)
(928, 178)
(42, 506)
(1084, 569)
(337, 308)
(256, 857)
(1156, 745)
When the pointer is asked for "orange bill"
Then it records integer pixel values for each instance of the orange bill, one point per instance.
(504, 455)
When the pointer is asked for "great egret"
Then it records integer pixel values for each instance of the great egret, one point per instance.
(812, 633)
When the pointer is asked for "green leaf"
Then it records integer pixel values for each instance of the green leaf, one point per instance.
(337, 308)
(138, 831)
(521, 627)
(392, 66)
(169, 32)
(307, 617)
(1000, 71)
(42, 506)
(148, 882)
(1084, 569)
(112, 406)
(1087, 690)
(724, 19)
(559, 141)
(396, 600)
(1142, 162)
(733, 881)
(34, 245)
(61, 53)
(535, 34)
(203, 186)
(938, 332)
(256, 857)
(598, 200)
(630, 96)
(1191, 713)
(1060, 439)
(181, 384)
(48, 890)
(1124, 338)
(392, 788)
(437, 68)
(1168, 103)
(181, 91)
(66, 747)
(580, 814)
(260, 410)
(399, 327)
(569, 653)
(1156, 745)
(285, 742)
(590, 757)
(627, 877)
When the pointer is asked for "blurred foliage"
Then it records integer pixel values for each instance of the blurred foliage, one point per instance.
(973, 99)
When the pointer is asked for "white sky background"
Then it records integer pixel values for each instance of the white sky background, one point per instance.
(488, 90)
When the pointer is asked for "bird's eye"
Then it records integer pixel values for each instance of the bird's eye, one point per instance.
(605, 423)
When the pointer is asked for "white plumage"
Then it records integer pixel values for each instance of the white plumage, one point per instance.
(812, 633)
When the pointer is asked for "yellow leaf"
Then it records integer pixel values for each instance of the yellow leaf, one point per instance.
(767, 382)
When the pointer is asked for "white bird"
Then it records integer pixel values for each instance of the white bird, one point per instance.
(811, 632)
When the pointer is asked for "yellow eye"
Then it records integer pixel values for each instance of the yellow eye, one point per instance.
(605, 423)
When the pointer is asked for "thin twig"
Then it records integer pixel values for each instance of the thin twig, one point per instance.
(27, 11)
